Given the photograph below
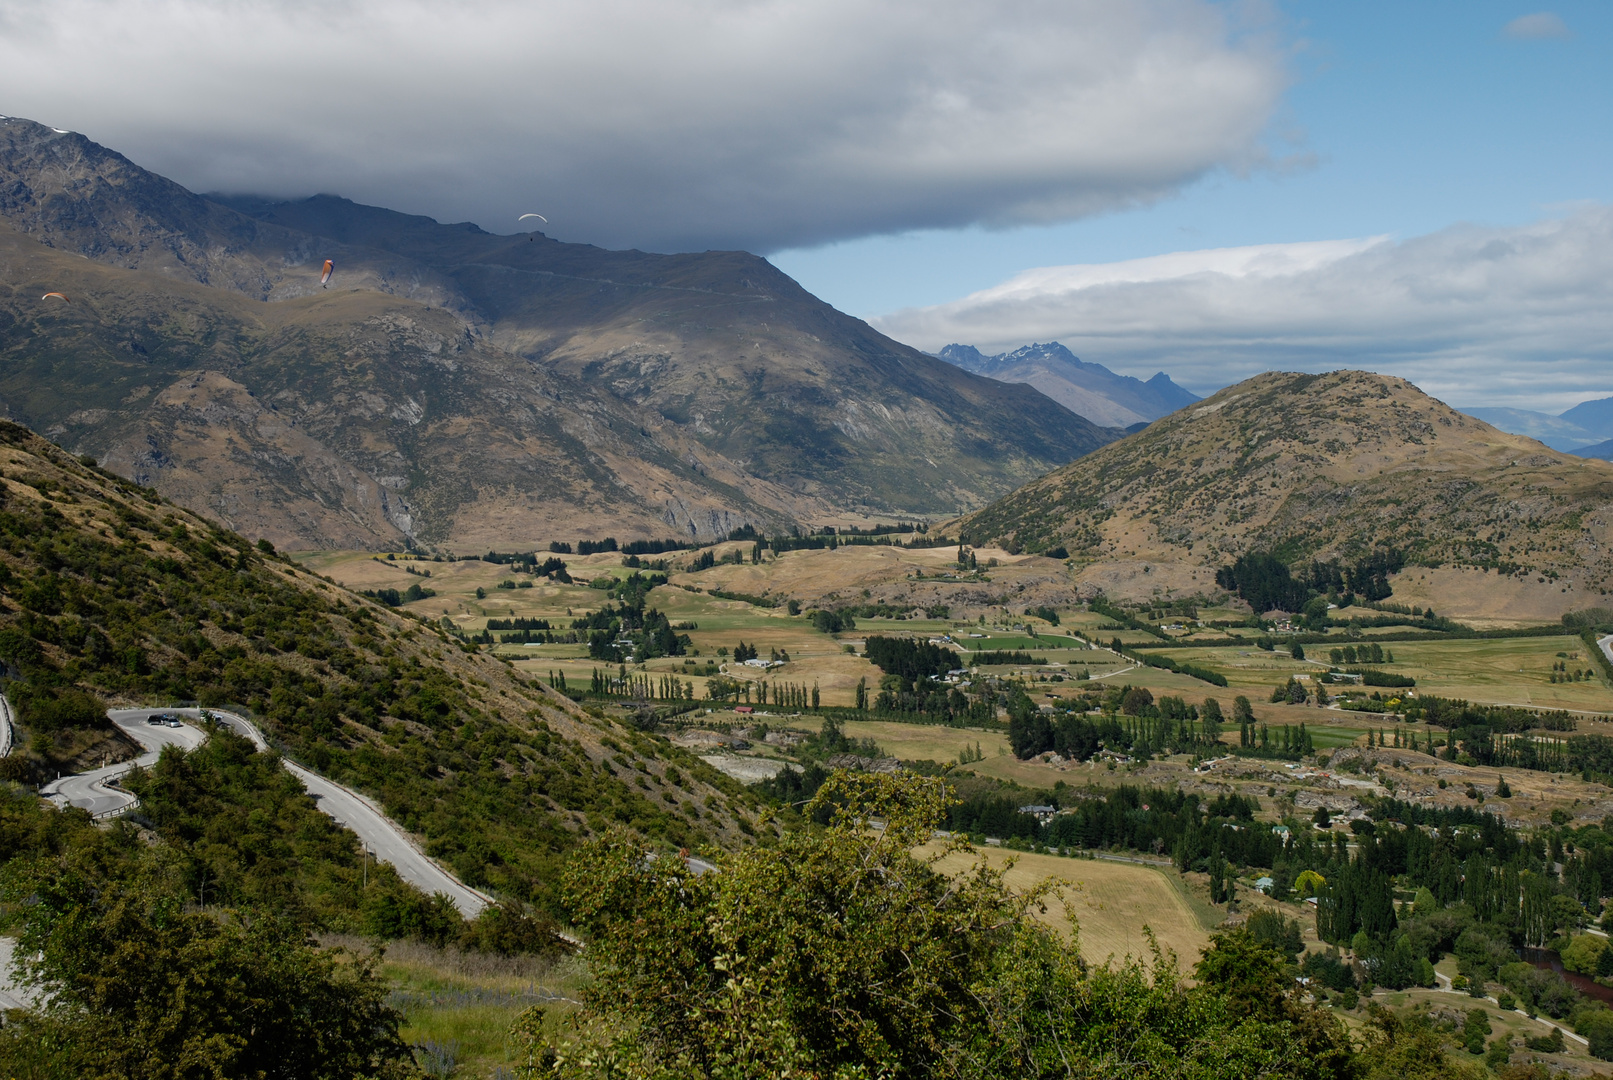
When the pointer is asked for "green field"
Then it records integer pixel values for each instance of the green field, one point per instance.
(1503, 670)
(1507, 670)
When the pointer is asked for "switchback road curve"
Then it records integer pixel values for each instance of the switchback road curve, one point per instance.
(91, 791)
(383, 838)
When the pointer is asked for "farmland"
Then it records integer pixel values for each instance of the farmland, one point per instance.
(1111, 903)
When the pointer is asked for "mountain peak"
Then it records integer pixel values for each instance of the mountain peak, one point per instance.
(456, 387)
(1087, 389)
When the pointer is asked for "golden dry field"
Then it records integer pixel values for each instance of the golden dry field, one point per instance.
(1111, 902)
(932, 742)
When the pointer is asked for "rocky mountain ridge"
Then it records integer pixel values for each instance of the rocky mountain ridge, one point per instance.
(457, 388)
(1339, 466)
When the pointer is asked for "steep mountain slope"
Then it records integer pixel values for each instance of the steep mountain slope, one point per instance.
(582, 389)
(1595, 417)
(1336, 466)
(345, 419)
(1091, 390)
(740, 357)
(110, 592)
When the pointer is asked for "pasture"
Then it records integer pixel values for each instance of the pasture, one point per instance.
(931, 742)
(1110, 903)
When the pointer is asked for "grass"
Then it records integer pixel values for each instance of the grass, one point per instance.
(1513, 671)
(1108, 904)
(1506, 670)
(464, 1003)
(921, 742)
(1332, 736)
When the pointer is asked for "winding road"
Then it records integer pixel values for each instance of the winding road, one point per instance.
(91, 791)
(382, 838)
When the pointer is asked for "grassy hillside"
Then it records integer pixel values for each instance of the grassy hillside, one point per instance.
(112, 595)
(1335, 466)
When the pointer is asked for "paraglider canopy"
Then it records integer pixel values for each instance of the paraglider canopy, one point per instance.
(57, 295)
(540, 217)
(324, 276)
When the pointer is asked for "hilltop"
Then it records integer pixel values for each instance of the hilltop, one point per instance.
(113, 595)
(458, 388)
(1343, 467)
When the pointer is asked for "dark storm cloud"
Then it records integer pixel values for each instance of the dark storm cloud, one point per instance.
(723, 123)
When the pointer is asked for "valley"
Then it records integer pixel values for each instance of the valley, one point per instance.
(1371, 761)
(628, 658)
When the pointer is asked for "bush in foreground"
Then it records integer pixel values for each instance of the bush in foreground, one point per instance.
(840, 954)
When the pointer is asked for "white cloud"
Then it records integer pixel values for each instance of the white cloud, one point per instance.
(755, 123)
(1542, 24)
(1477, 316)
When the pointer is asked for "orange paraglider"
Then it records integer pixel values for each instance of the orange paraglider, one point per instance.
(57, 295)
(324, 277)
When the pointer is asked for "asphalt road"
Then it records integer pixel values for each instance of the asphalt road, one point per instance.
(385, 841)
(90, 790)
(1607, 647)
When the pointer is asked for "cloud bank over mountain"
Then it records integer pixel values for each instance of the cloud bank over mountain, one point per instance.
(707, 124)
(1517, 316)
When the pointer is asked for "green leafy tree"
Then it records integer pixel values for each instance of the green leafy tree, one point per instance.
(138, 987)
(838, 953)
(1407, 1046)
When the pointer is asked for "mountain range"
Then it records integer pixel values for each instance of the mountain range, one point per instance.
(1091, 390)
(456, 388)
(1346, 466)
(1585, 430)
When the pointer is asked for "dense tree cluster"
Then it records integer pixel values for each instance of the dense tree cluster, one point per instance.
(1266, 582)
(616, 633)
(912, 660)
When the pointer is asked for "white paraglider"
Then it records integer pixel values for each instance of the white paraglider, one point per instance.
(540, 217)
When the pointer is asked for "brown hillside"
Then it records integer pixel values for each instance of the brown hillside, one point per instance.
(1333, 466)
(347, 419)
(541, 390)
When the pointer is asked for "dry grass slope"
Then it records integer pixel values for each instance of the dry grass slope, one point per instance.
(1321, 466)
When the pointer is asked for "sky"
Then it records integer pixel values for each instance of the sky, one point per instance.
(1206, 187)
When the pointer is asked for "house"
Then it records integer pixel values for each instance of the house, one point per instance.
(744, 710)
(1043, 814)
